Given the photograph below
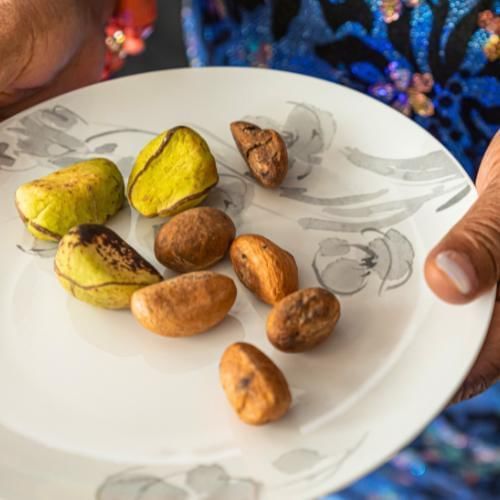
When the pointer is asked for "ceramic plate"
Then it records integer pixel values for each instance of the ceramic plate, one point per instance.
(95, 407)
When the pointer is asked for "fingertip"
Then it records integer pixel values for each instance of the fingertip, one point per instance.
(451, 276)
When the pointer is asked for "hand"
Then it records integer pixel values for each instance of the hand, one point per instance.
(48, 47)
(467, 263)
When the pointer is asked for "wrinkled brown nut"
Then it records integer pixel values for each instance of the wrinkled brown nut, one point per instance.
(264, 268)
(195, 239)
(264, 152)
(303, 320)
(186, 305)
(254, 385)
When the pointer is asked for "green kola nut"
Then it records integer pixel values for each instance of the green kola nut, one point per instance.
(172, 173)
(98, 267)
(88, 192)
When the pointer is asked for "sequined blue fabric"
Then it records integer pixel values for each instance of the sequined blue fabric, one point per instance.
(359, 43)
(437, 62)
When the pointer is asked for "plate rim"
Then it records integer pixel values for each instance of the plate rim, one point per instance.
(489, 296)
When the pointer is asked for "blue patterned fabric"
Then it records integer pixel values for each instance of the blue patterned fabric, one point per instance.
(381, 47)
(438, 61)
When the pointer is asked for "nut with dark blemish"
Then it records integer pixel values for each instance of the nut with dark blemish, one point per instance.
(303, 320)
(98, 267)
(88, 192)
(245, 382)
(255, 387)
(264, 152)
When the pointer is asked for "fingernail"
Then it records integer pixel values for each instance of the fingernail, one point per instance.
(459, 270)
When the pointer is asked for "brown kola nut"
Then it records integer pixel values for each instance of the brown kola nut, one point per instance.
(264, 152)
(264, 268)
(255, 387)
(195, 239)
(186, 305)
(303, 320)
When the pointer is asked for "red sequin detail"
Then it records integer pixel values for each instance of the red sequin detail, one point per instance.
(127, 31)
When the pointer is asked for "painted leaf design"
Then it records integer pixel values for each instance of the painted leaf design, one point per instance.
(344, 276)
(39, 248)
(106, 148)
(311, 130)
(406, 211)
(139, 487)
(64, 161)
(5, 159)
(457, 198)
(205, 479)
(395, 255)
(334, 247)
(383, 262)
(60, 117)
(40, 139)
(125, 487)
(237, 489)
(232, 195)
(408, 205)
(432, 166)
(296, 461)
(163, 491)
(301, 194)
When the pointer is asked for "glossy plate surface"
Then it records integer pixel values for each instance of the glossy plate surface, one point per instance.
(93, 406)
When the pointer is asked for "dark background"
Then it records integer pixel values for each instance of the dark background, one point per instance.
(165, 48)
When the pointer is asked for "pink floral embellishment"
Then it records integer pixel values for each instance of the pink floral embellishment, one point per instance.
(392, 9)
(491, 23)
(406, 92)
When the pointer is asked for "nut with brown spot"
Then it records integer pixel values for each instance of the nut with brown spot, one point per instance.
(264, 152)
(195, 239)
(264, 268)
(97, 266)
(255, 387)
(303, 320)
(186, 305)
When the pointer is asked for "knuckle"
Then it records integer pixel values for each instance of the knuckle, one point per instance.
(483, 235)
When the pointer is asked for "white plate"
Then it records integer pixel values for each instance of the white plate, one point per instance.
(93, 406)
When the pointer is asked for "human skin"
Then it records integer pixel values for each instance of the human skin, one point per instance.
(48, 47)
(466, 264)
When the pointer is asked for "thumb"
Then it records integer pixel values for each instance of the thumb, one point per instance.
(466, 263)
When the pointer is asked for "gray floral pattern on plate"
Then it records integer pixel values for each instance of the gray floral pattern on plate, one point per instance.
(39, 248)
(379, 209)
(6, 161)
(59, 136)
(345, 268)
(232, 195)
(204, 482)
(56, 137)
(213, 482)
(305, 465)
